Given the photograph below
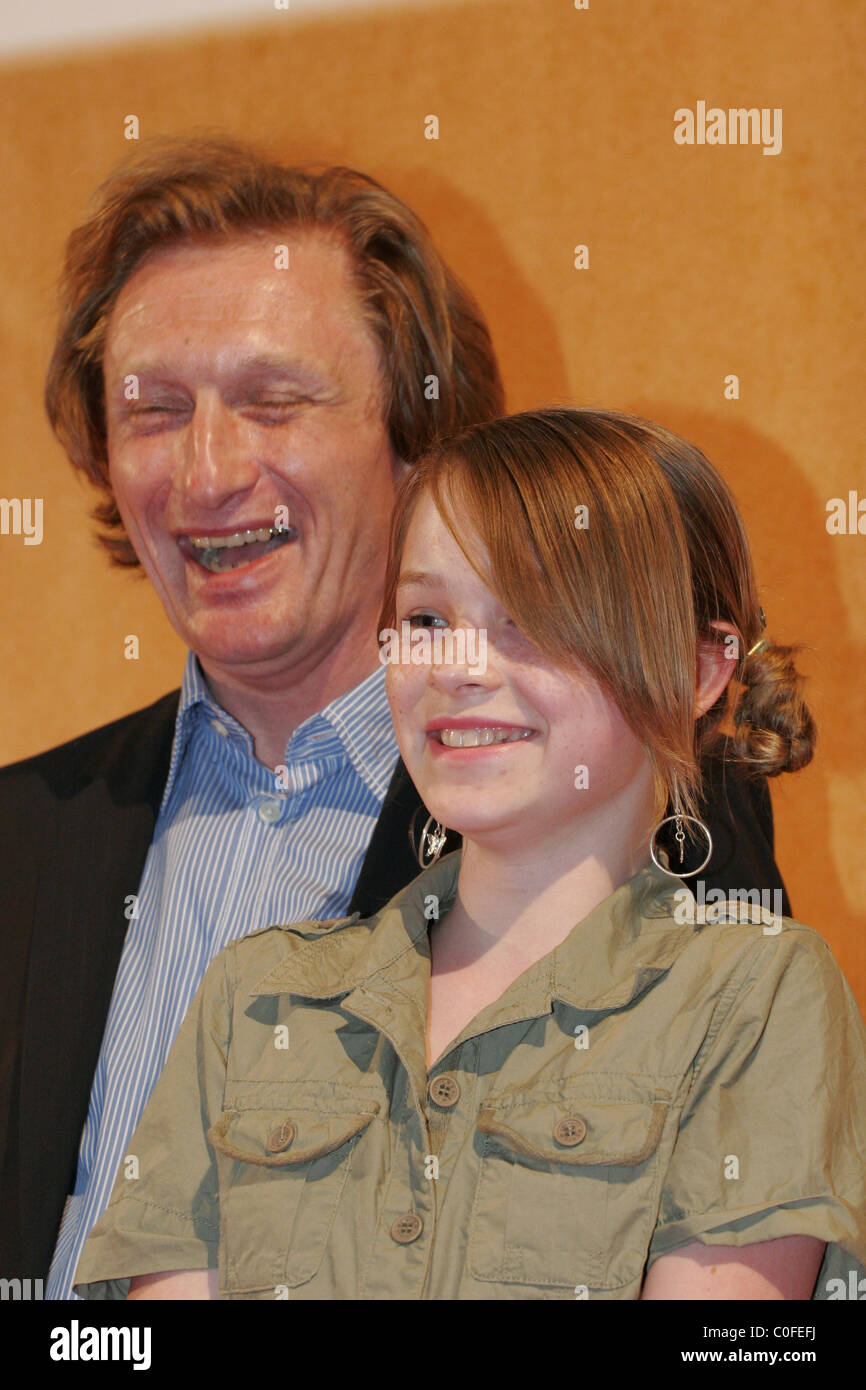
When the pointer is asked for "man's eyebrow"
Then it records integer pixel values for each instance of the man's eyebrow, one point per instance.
(247, 369)
(269, 365)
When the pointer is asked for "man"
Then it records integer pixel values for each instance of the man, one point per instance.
(248, 359)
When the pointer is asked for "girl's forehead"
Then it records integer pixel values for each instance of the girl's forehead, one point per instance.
(425, 513)
(429, 538)
(426, 532)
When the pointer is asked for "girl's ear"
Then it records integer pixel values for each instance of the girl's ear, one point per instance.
(716, 664)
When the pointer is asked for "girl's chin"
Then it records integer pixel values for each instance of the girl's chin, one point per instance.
(481, 807)
(479, 812)
(489, 829)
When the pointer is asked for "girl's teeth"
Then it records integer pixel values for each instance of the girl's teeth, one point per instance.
(474, 738)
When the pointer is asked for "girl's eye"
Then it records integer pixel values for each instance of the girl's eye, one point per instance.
(424, 619)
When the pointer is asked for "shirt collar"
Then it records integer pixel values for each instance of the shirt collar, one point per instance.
(359, 726)
(380, 968)
(195, 698)
(610, 957)
(356, 725)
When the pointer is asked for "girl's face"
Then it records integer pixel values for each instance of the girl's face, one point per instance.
(571, 767)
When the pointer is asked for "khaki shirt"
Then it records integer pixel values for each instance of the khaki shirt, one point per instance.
(644, 1084)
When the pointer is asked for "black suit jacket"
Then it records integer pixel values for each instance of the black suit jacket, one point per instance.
(75, 827)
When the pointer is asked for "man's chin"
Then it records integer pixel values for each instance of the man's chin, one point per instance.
(235, 644)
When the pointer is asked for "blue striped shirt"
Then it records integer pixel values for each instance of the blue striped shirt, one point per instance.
(237, 846)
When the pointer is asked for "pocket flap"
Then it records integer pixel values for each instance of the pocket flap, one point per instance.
(576, 1130)
(278, 1138)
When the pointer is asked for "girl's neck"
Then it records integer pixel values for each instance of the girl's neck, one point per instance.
(516, 903)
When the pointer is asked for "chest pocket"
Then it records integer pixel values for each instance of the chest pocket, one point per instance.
(568, 1187)
(282, 1171)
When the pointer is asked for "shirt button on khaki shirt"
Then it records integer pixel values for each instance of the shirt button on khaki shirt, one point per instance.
(569, 1131)
(645, 1084)
(407, 1228)
(444, 1091)
(280, 1138)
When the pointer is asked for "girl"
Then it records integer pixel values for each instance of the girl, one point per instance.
(544, 1070)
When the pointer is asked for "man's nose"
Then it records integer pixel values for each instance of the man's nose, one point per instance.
(216, 458)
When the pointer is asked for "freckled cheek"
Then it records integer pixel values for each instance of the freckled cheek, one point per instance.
(607, 747)
(615, 733)
(404, 691)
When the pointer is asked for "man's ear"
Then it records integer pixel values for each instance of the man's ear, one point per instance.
(716, 664)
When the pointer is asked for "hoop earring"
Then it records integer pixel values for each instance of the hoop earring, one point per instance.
(680, 837)
(432, 842)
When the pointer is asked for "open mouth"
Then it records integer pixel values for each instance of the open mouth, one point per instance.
(235, 551)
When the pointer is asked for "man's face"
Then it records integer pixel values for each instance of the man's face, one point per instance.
(258, 399)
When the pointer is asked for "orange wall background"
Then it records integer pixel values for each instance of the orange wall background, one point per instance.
(555, 128)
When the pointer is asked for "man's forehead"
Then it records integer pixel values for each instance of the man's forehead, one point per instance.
(254, 271)
(245, 291)
(249, 244)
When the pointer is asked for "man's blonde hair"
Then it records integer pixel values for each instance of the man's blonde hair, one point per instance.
(200, 190)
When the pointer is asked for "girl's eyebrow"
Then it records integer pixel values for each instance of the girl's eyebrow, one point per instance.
(420, 577)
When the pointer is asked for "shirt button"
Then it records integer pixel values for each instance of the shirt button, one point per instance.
(569, 1131)
(269, 811)
(407, 1228)
(220, 728)
(444, 1090)
(280, 1138)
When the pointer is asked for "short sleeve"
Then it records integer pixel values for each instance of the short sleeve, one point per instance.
(163, 1213)
(772, 1134)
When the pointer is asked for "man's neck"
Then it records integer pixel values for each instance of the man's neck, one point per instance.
(270, 709)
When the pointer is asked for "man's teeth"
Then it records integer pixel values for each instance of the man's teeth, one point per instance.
(266, 533)
(213, 551)
(474, 738)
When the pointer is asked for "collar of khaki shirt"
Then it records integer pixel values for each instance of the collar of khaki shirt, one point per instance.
(379, 968)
